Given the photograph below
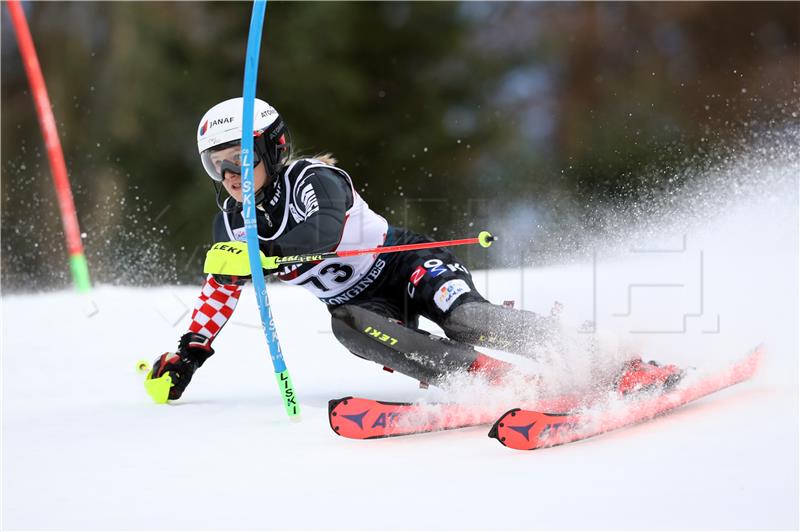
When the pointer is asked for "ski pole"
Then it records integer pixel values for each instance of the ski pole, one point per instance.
(485, 239)
(232, 258)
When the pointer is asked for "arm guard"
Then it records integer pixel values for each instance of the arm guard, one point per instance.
(214, 307)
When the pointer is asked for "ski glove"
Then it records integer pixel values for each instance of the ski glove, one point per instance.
(193, 350)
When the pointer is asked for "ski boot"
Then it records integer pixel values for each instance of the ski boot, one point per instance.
(639, 376)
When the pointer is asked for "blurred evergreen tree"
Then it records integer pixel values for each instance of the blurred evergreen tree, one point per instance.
(443, 113)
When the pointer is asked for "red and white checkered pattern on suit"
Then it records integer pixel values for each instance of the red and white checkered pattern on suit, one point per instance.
(214, 306)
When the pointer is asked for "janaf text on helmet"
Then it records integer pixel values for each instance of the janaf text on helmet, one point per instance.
(219, 121)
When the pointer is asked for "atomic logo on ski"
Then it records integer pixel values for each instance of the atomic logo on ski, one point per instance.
(358, 419)
(523, 429)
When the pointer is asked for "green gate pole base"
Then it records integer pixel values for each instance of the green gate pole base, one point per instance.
(80, 272)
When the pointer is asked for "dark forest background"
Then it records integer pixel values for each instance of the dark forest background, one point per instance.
(528, 119)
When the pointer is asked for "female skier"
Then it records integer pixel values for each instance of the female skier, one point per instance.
(309, 205)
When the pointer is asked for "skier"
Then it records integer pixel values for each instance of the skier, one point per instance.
(309, 205)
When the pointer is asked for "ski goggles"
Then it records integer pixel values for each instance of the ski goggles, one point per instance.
(225, 158)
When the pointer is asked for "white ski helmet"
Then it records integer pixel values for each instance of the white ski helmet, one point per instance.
(221, 128)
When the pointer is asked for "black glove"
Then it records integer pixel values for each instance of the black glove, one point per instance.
(193, 350)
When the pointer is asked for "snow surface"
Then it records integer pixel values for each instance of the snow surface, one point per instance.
(84, 448)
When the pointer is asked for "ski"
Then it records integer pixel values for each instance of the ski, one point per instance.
(534, 429)
(363, 419)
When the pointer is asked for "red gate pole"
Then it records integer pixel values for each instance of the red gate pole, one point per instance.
(69, 217)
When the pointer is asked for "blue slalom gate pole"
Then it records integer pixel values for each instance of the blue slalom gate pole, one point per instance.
(249, 210)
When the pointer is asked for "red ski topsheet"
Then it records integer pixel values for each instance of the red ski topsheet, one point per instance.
(354, 417)
(530, 429)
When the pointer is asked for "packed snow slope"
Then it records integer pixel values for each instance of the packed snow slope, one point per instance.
(85, 448)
